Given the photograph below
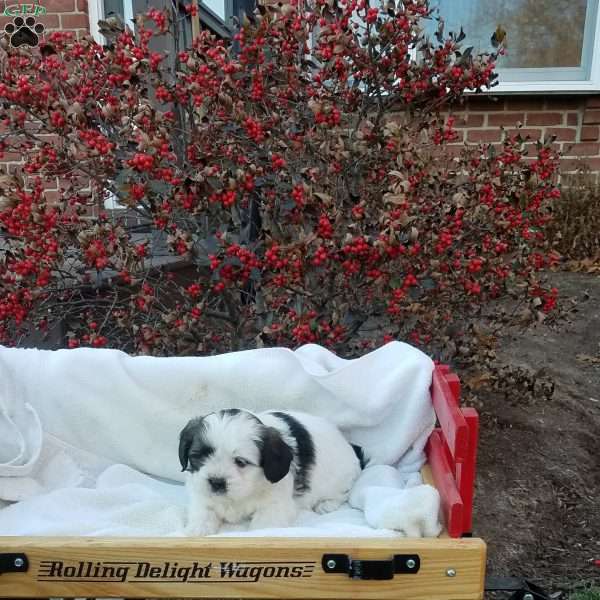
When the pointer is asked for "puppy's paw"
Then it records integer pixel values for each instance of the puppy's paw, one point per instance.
(329, 505)
(283, 516)
(201, 523)
(200, 529)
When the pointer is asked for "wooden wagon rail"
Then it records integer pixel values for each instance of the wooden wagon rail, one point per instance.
(450, 567)
(239, 568)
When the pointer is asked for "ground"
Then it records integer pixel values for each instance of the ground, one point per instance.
(538, 483)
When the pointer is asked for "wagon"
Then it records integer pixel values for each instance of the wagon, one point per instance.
(450, 567)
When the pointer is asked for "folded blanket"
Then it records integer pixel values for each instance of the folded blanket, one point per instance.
(68, 417)
(126, 502)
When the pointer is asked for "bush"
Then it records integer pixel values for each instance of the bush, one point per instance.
(291, 187)
(576, 224)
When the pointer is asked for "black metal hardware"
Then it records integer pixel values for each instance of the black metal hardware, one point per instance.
(13, 562)
(521, 588)
(371, 569)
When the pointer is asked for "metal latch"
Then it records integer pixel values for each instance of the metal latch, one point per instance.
(13, 562)
(371, 569)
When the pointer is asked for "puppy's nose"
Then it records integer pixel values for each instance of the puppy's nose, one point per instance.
(217, 484)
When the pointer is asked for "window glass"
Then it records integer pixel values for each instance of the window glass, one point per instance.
(217, 6)
(114, 7)
(556, 35)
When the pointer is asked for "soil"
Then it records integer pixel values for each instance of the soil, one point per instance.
(537, 500)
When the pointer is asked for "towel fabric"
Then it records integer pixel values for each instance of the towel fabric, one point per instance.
(89, 438)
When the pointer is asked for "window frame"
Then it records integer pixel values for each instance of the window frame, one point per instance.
(205, 17)
(558, 86)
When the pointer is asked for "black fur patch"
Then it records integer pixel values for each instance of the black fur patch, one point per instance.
(192, 445)
(360, 454)
(305, 452)
(276, 455)
(230, 412)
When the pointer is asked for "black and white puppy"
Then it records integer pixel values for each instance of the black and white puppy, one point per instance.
(263, 467)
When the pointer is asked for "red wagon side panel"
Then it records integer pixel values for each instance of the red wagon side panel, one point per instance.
(443, 477)
(450, 418)
(452, 451)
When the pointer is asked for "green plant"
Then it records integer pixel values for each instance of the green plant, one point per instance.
(590, 592)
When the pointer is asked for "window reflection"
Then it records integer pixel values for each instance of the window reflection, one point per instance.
(540, 33)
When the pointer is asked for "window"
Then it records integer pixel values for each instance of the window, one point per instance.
(216, 15)
(551, 45)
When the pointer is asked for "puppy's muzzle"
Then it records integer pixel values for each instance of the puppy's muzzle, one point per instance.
(217, 485)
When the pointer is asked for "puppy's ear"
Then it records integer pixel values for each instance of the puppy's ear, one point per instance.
(276, 455)
(186, 437)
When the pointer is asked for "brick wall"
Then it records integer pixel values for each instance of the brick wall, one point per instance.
(573, 120)
(63, 15)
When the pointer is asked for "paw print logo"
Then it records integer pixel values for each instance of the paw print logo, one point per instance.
(24, 32)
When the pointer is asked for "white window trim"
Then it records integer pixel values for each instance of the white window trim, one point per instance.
(96, 13)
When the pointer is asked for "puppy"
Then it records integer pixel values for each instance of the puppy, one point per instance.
(263, 468)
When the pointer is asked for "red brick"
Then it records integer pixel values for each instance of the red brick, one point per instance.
(534, 134)
(484, 135)
(469, 120)
(590, 133)
(49, 184)
(52, 138)
(575, 164)
(32, 125)
(586, 149)
(593, 102)
(527, 103)
(575, 179)
(485, 103)
(74, 21)
(454, 150)
(78, 182)
(531, 147)
(11, 157)
(506, 119)
(51, 196)
(573, 119)
(82, 6)
(50, 21)
(591, 117)
(544, 118)
(460, 137)
(59, 6)
(560, 103)
(562, 134)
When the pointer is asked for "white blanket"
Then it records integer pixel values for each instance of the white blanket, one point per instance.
(89, 438)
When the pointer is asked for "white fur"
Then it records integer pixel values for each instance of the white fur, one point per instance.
(250, 495)
(412, 511)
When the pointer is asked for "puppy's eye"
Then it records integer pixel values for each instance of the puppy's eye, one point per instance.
(241, 462)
